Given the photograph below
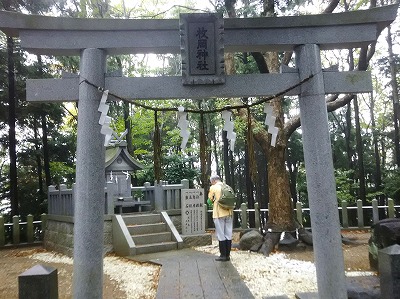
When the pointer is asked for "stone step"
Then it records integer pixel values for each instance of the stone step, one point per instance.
(141, 229)
(156, 247)
(142, 219)
(152, 238)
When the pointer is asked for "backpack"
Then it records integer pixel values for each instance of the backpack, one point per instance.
(227, 200)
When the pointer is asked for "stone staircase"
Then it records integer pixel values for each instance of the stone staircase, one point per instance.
(147, 233)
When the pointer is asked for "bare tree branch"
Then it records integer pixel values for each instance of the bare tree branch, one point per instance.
(331, 6)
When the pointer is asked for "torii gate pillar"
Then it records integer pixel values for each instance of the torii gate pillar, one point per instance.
(321, 188)
(89, 192)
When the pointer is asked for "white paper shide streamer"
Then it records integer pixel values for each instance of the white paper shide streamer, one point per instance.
(105, 122)
(228, 127)
(270, 122)
(183, 124)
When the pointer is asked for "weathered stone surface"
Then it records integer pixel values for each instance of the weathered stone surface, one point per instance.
(305, 236)
(288, 242)
(38, 282)
(383, 234)
(389, 271)
(250, 239)
(271, 239)
(197, 240)
(363, 287)
(59, 237)
(256, 247)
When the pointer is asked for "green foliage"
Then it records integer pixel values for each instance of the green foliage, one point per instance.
(392, 183)
(301, 184)
(178, 167)
(175, 168)
(62, 173)
(345, 185)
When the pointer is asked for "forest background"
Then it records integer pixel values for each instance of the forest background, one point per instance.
(38, 140)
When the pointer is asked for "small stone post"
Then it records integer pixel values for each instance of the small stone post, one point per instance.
(38, 282)
(159, 204)
(16, 230)
(360, 214)
(2, 232)
(299, 213)
(257, 215)
(389, 272)
(243, 214)
(345, 215)
(29, 228)
(110, 198)
(375, 210)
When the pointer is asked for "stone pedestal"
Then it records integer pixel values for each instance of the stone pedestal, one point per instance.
(38, 282)
(389, 272)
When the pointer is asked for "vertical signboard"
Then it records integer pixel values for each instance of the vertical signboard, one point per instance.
(193, 212)
(202, 48)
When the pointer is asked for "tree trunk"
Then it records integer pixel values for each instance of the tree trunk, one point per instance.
(38, 161)
(360, 151)
(128, 126)
(395, 98)
(11, 130)
(280, 216)
(348, 137)
(378, 172)
(45, 145)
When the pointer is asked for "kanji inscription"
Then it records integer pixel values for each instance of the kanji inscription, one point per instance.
(193, 213)
(202, 49)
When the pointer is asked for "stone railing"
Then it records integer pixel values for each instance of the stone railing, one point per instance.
(159, 197)
(22, 233)
(350, 216)
(31, 232)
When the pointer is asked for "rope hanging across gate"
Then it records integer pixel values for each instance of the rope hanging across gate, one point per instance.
(202, 134)
(157, 149)
(250, 149)
(203, 149)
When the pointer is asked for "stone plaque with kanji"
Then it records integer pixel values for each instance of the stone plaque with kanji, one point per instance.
(193, 212)
(202, 49)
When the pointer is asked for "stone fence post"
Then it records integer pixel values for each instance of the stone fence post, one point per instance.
(375, 211)
(29, 228)
(158, 196)
(243, 213)
(345, 215)
(360, 214)
(390, 208)
(257, 216)
(299, 213)
(16, 231)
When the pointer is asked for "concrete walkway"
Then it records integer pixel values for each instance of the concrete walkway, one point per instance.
(188, 273)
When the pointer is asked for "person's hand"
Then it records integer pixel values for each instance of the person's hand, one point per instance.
(210, 203)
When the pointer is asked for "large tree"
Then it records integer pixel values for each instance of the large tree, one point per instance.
(280, 216)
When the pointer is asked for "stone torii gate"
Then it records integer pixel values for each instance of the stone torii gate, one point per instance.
(94, 39)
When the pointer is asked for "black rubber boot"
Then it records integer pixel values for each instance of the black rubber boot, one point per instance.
(222, 251)
(228, 249)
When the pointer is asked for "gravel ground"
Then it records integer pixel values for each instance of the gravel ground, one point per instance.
(280, 273)
(264, 276)
(274, 275)
(136, 280)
